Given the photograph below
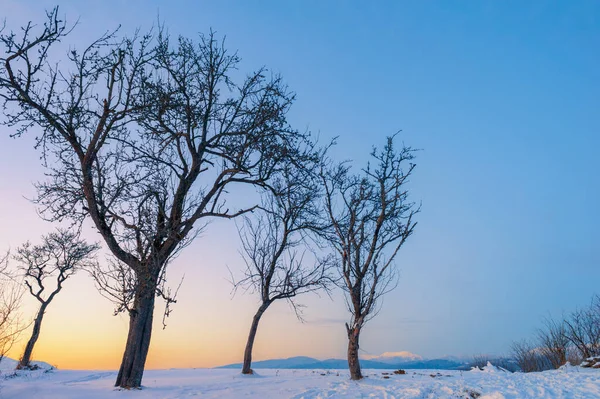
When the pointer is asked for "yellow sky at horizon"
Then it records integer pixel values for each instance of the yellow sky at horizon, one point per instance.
(84, 334)
(79, 330)
(70, 339)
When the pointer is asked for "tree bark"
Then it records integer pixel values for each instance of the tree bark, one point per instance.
(247, 369)
(353, 362)
(138, 339)
(35, 334)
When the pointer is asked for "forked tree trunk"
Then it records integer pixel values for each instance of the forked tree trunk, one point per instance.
(247, 367)
(35, 334)
(353, 362)
(138, 339)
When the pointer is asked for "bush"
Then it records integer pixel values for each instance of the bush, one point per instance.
(571, 339)
(528, 357)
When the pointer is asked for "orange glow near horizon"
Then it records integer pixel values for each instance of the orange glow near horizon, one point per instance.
(80, 332)
(102, 350)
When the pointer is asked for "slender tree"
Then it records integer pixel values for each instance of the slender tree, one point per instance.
(146, 137)
(60, 255)
(371, 218)
(274, 242)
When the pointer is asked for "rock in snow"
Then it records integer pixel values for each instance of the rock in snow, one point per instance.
(591, 362)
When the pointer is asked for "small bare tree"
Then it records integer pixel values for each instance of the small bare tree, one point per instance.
(275, 265)
(45, 269)
(146, 137)
(528, 357)
(583, 329)
(371, 218)
(11, 294)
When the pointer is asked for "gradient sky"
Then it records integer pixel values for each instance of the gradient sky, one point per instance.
(502, 96)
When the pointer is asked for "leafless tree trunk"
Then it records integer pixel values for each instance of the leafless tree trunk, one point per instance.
(138, 337)
(61, 254)
(146, 137)
(353, 347)
(247, 366)
(25, 360)
(275, 266)
(371, 219)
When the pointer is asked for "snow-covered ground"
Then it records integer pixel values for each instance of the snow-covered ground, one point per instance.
(572, 383)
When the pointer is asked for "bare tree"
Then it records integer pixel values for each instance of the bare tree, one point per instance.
(11, 294)
(583, 329)
(553, 342)
(146, 138)
(569, 339)
(371, 218)
(276, 268)
(45, 269)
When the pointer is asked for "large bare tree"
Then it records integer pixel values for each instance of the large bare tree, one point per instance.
(275, 240)
(145, 136)
(45, 268)
(371, 218)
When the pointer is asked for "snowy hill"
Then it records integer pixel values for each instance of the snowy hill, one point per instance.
(8, 364)
(490, 383)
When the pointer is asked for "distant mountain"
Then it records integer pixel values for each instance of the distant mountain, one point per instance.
(303, 362)
(343, 363)
(297, 362)
(393, 357)
(458, 359)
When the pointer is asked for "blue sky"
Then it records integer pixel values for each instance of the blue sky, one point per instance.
(503, 98)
